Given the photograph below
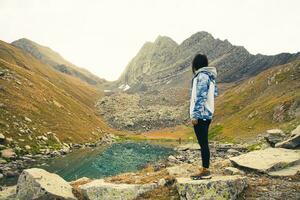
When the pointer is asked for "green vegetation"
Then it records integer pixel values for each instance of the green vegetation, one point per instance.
(215, 131)
(268, 100)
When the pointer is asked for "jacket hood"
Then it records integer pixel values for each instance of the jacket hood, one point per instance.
(211, 71)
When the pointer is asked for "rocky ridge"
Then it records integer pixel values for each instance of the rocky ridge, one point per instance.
(161, 61)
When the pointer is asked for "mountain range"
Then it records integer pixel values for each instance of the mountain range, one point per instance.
(257, 92)
(42, 92)
(162, 61)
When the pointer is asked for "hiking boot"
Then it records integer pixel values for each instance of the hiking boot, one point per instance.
(204, 173)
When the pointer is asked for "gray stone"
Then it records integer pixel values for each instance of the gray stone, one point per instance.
(233, 171)
(99, 189)
(219, 187)
(266, 160)
(233, 151)
(39, 184)
(288, 171)
(274, 137)
(293, 142)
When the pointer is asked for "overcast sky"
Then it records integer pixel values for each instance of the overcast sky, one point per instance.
(104, 35)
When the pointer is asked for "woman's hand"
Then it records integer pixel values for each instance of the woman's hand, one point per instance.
(194, 122)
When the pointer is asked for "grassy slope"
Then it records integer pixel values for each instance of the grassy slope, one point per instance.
(53, 101)
(246, 109)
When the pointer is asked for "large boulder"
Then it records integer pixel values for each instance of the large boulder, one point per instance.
(219, 187)
(39, 184)
(99, 189)
(293, 142)
(267, 160)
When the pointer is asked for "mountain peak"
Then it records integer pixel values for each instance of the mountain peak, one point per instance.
(164, 39)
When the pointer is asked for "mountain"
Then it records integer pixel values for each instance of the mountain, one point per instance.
(54, 59)
(244, 109)
(158, 62)
(257, 92)
(35, 99)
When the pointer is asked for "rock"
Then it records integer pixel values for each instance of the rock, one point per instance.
(8, 153)
(2, 137)
(1, 176)
(274, 137)
(266, 160)
(77, 146)
(8, 193)
(9, 139)
(275, 131)
(54, 153)
(161, 182)
(65, 150)
(172, 158)
(293, 142)
(233, 171)
(182, 170)
(288, 171)
(233, 151)
(99, 189)
(27, 119)
(37, 183)
(2, 161)
(11, 173)
(219, 187)
(27, 147)
(189, 146)
(80, 180)
(42, 138)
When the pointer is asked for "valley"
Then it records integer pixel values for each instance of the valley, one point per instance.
(136, 130)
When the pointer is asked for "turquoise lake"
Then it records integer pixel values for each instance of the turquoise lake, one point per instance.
(102, 162)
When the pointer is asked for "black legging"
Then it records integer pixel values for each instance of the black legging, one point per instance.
(201, 131)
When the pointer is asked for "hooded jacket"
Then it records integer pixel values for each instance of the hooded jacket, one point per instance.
(204, 90)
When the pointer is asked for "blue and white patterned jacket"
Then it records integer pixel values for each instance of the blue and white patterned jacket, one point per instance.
(204, 90)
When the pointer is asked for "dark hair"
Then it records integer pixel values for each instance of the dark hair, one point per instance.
(199, 61)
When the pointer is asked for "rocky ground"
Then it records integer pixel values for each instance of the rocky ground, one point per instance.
(144, 111)
(238, 173)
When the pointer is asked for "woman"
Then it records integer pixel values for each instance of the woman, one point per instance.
(202, 107)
